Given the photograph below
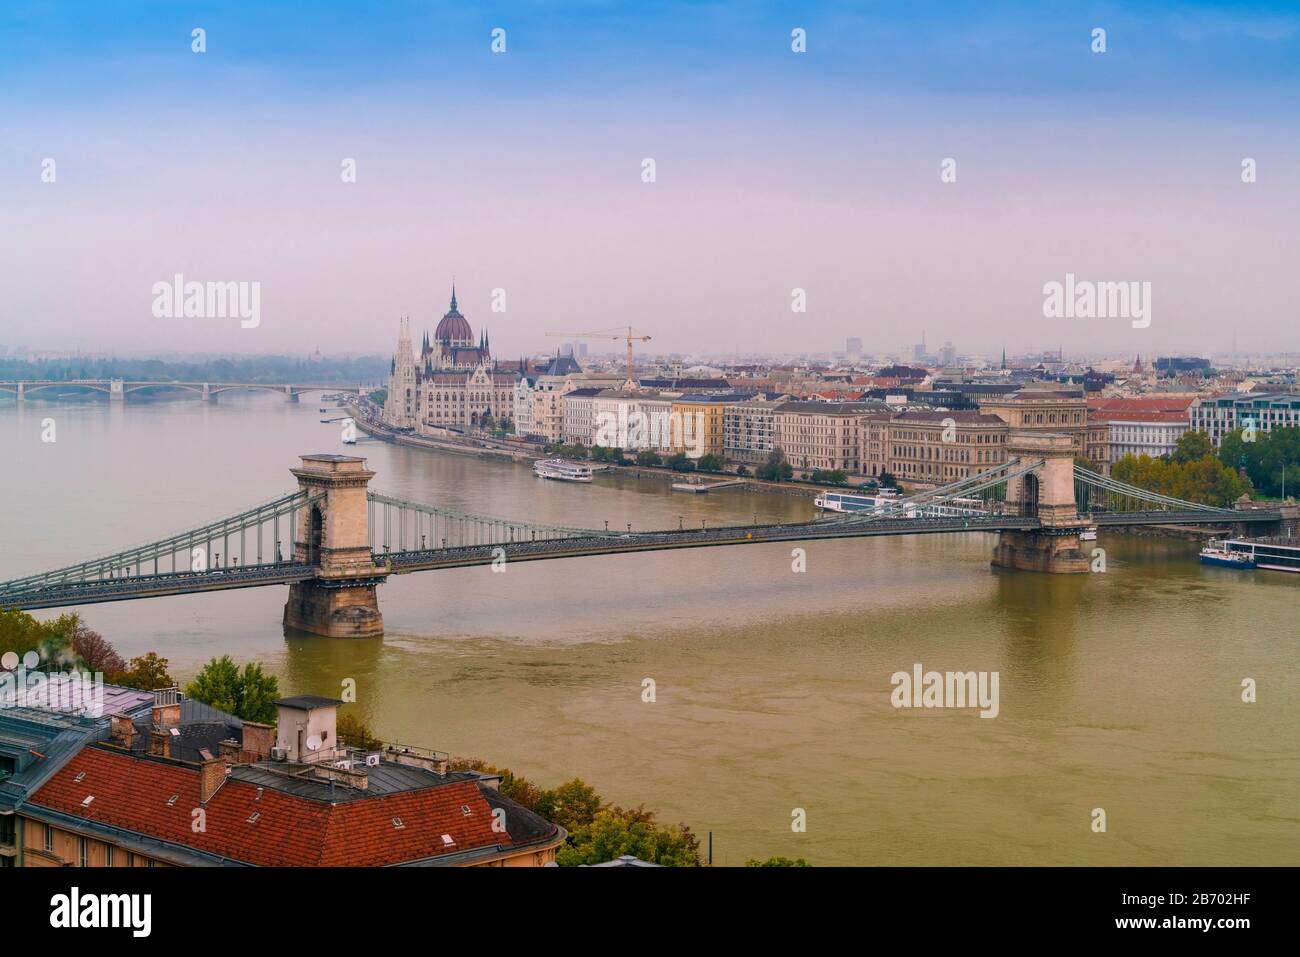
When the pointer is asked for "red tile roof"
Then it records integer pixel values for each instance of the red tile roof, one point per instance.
(132, 792)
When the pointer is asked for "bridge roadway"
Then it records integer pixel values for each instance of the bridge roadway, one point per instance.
(613, 543)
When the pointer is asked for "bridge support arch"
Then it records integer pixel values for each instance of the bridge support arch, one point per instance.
(333, 535)
(1048, 493)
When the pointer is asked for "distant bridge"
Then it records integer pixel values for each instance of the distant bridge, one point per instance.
(334, 539)
(119, 389)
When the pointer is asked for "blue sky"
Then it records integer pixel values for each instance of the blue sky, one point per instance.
(519, 171)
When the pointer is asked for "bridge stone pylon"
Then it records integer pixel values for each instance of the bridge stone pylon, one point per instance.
(1048, 493)
(333, 535)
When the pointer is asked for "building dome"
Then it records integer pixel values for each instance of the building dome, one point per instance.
(454, 327)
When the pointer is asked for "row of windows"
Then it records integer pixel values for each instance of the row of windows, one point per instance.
(84, 847)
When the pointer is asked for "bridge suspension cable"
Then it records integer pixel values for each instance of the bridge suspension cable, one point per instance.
(258, 529)
(1094, 480)
(400, 525)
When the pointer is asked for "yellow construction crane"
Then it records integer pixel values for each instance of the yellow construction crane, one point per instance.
(629, 336)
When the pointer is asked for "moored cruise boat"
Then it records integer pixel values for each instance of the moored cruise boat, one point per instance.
(879, 501)
(1275, 553)
(1219, 553)
(563, 470)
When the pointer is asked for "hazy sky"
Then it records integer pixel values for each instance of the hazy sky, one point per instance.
(775, 170)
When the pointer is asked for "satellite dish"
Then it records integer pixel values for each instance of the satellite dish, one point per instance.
(313, 743)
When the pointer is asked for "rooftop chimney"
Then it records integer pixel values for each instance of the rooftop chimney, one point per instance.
(123, 730)
(212, 774)
(166, 711)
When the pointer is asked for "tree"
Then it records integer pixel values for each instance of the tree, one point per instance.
(352, 731)
(649, 457)
(258, 691)
(1206, 481)
(829, 477)
(95, 651)
(1191, 447)
(777, 862)
(1271, 459)
(678, 462)
(571, 805)
(21, 633)
(776, 469)
(147, 672)
(710, 463)
(247, 694)
(614, 832)
(516, 787)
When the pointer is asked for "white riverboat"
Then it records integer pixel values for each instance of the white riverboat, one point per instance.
(562, 470)
(885, 498)
(1275, 553)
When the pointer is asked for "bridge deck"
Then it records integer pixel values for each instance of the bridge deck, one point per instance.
(408, 561)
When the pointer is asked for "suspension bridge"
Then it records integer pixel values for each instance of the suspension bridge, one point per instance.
(334, 539)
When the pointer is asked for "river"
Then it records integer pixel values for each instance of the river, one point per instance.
(1119, 691)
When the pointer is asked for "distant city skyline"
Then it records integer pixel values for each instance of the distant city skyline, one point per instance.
(775, 171)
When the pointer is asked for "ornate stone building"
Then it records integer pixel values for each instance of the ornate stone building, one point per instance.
(453, 383)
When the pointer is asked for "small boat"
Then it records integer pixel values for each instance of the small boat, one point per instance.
(690, 487)
(1216, 553)
(562, 470)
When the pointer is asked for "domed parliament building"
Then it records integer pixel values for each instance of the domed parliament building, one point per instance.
(453, 383)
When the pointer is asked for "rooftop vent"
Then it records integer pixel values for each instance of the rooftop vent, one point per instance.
(252, 818)
(86, 802)
(464, 809)
(80, 777)
(447, 839)
(171, 801)
(397, 823)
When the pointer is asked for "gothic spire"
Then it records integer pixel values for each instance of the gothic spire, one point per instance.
(453, 295)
